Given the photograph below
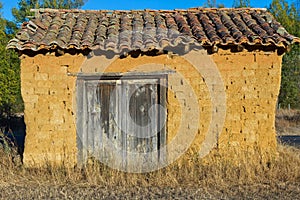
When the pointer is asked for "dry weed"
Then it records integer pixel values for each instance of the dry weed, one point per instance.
(288, 122)
(215, 177)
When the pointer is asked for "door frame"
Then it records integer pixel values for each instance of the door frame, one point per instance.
(82, 117)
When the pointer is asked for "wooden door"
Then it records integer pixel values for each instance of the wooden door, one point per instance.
(120, 121)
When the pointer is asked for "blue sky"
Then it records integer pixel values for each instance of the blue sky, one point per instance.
(139, 4)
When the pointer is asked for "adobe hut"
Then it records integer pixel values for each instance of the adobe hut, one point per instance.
(118, 85)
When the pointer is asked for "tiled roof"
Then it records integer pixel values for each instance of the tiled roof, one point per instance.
(149, 29)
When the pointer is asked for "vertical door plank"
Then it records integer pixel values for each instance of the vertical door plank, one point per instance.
(154, 124)
(80, 120)
(85, 125)
(130, 111)
(90, 114)
(123, 118)
(162, 128)
(108, 113)
(98, 147)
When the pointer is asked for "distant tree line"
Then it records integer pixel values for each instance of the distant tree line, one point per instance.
(287, 15)
(10, 95)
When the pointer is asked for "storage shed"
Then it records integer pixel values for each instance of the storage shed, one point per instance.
(136, 89)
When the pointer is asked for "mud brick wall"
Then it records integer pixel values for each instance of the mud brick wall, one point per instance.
(49, 114)
(251, 81)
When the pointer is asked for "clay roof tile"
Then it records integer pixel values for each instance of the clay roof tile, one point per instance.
(148, 29)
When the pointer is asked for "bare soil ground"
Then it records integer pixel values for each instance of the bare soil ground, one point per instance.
(188, 178)
(263, 191)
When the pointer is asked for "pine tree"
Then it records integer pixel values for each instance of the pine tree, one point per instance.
(210, 3)
(68, 4)
(241, 3)
(287, 15)
(10, 95)
(213, 4)
(290, 82)
(22, 12)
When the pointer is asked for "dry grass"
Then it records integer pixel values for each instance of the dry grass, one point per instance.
(288, 122)
(189, 177)
(246, 177)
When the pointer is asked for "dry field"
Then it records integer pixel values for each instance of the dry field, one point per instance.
(188, 178)
(288, 122)
(288, 127)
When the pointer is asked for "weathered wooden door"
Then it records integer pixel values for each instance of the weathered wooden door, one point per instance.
(122, 121)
